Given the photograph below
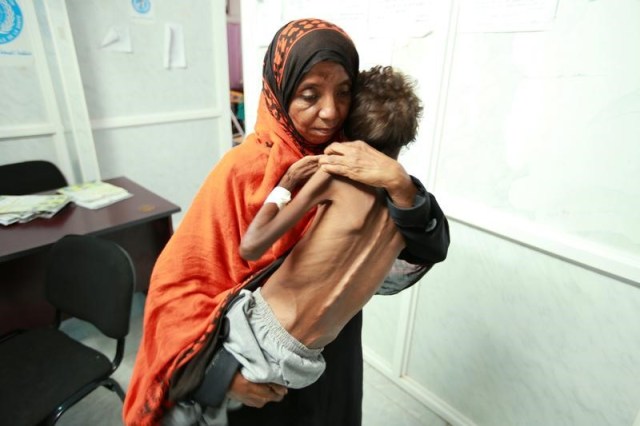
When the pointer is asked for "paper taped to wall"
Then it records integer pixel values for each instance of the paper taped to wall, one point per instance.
(117, 39)
(174, 51)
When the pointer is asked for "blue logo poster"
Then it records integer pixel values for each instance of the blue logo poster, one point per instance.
(11, 21)
(141, 6)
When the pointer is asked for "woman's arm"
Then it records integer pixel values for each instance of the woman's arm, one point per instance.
(271, 223)
(426, 233)
(360, 162)
(424, 227)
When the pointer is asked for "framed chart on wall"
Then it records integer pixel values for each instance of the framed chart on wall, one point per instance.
(539, 138)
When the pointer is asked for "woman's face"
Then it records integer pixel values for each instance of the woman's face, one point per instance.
(321, 102)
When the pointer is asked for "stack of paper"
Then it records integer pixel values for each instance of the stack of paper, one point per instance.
(23, 208)
(94, 195)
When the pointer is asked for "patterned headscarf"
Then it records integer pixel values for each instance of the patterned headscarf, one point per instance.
(295, 49)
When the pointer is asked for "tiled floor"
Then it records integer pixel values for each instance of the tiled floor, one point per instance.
(385, 404)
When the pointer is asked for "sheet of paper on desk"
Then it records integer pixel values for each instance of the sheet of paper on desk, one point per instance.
(24, 208)
(94, 195)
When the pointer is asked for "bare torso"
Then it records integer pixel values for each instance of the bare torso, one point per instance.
(337, 266)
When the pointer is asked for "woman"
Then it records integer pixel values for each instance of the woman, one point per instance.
(309, 70)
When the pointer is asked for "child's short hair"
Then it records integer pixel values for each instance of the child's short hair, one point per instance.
(385, 110)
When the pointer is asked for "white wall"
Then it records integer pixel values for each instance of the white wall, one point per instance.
(32, 122)
(102, 112)
(528, 141)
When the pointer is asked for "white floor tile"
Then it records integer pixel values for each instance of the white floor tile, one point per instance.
(387, 404)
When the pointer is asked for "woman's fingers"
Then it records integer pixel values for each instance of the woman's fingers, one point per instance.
(278, 389)
(255, 394)
(344, 148)
(263, 393)
(360, 162)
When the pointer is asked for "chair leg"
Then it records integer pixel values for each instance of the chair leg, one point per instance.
(53, 418)
(114, 386)
(109, 383)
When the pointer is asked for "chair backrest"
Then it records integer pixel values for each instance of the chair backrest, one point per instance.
(29, 177)
(92, 279)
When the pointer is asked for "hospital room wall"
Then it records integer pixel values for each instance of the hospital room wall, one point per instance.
(105, 91)
(529, 142)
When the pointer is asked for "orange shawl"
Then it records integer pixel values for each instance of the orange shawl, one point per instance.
(200, 267)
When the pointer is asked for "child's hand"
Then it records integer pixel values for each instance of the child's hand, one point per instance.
(299, 172)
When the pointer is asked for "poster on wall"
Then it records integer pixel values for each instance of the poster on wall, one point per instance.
(14, 44)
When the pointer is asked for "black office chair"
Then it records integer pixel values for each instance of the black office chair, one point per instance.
(43, 371)
(29, 177)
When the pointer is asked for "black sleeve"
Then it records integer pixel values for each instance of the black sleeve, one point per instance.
(424, 227)
(426, 234)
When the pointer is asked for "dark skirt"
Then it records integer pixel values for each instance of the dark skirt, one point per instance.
(334, 400)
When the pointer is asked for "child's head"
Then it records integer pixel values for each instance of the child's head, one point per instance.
(385, 110)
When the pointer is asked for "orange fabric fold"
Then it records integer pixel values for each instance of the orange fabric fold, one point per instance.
(200, 267)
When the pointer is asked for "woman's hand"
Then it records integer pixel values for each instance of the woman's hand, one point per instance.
(254, 394)
(299, 172)
(360, 162)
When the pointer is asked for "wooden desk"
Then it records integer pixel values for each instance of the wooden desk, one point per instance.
(140, 224)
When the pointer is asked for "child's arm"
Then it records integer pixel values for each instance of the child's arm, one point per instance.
(271, 223)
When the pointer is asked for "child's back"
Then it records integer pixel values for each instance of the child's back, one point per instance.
(339, 263)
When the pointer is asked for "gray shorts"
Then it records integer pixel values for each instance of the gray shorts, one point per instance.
(266, 351)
